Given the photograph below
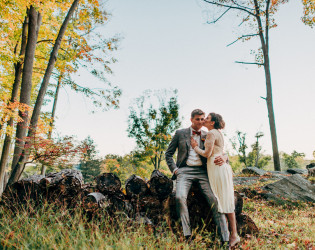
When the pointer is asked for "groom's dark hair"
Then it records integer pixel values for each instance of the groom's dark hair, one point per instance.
(197, 112)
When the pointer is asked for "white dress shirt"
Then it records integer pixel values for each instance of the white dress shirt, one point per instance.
(194, 158)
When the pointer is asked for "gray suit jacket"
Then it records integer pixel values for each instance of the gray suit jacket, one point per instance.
(181, 142)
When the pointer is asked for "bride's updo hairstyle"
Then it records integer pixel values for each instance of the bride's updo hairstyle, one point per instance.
(218, 121)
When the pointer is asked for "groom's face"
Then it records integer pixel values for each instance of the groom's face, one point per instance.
(197, 121)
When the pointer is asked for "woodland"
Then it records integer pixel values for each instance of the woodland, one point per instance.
(57, 192)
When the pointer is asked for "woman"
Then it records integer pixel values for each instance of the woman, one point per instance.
(220, 177)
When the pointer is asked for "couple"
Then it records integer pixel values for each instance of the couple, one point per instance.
(200, 159)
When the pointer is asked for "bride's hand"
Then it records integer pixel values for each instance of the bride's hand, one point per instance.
(193, 142)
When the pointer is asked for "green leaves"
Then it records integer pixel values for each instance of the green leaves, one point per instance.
(154, 116)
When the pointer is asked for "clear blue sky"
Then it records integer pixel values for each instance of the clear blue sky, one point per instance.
(167, 44)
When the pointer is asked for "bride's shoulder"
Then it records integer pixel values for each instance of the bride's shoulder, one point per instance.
(211, 133)
(214, 132)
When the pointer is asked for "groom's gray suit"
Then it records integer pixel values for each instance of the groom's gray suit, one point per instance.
(186, 175)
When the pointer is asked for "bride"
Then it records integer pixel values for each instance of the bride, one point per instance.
(220, 177)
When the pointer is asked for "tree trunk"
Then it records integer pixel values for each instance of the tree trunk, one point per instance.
(17, 168)
(26, 87)
(272, 123)
(15, 91)
(265, 48)
(53, 112)
(43, 170)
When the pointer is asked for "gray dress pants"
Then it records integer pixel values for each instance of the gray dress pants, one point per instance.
(185, 177)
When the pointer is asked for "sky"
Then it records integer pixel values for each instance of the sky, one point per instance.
(169, 44)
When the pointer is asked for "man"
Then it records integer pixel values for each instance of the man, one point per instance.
(191, 167)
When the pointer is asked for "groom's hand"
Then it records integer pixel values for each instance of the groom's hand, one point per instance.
(220, 160)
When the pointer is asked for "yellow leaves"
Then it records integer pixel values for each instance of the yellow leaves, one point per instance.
(309, 12)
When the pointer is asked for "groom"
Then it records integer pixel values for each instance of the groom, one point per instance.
(191, 167)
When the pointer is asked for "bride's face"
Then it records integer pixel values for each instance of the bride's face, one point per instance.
(208, 123)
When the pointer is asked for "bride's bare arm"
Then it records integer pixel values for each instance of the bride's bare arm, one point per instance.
(209, 144)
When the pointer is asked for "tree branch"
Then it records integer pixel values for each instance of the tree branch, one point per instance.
(245, 19)
(260, 64)
(244, 36)
(229, 6)
(44, 41)
(267, 24)
(219, 17)
(244, 7)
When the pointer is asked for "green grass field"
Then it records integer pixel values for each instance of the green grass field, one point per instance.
(281, 227)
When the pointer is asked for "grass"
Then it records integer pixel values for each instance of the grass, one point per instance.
(281, 227)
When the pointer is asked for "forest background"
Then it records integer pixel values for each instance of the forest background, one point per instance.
(86, 62)
(102, 86)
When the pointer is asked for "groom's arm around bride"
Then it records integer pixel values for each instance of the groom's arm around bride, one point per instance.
(189, 168)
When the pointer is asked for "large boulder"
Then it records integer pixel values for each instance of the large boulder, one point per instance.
(240, 180)
(293, 188)
(254, 171)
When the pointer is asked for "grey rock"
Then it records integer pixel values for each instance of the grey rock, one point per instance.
(254, 171)
(296, 171)
(245, 180)
(278, 173)
(294, 188)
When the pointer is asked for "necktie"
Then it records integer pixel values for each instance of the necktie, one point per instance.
(196, 132)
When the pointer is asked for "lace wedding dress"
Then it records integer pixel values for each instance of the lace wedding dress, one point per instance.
(220, 177)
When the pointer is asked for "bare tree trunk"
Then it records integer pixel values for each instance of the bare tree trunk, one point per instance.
(54, 107)
(265, 49)
(18, 168)
(26, 85)
(272, 123)
(43, 170)
(15, 90)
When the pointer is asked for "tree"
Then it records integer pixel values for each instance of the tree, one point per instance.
(240, 146)
(17, 166)
(153, 117)
(290, 160)
(254, 157)
(90, 164)
(34, 18)
(74, 50)
(258, 15)
(309, 12)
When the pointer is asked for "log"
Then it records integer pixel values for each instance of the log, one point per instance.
(98, 199)
(238, 200)
(200, 213)
(136, 186)
(245, 225)
(108, 183)
(160, 184)
(22, 191)
(69, 181)
(151, 206)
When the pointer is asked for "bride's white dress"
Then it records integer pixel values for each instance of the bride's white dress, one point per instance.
(220, 177)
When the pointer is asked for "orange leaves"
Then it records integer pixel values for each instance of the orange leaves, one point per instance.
(54, 152)
(9, 110)
(309, 12)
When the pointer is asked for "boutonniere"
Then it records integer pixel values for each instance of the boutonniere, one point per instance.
(203, 138)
